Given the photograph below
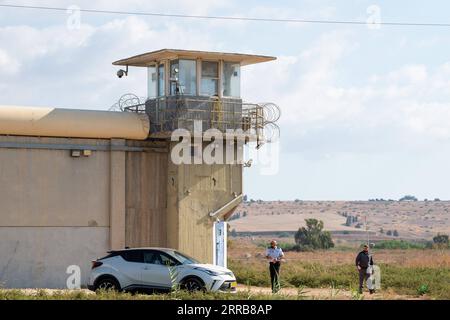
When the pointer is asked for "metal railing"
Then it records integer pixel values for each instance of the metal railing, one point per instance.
(182, 112)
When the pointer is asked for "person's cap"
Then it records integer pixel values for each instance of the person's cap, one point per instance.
(365, 246)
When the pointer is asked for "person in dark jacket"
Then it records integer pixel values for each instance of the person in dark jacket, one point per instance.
(363, 260)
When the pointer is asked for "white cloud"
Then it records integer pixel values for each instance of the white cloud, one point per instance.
(409, 73)
(8, 65)
(27, 43)
(58, 66)
(408, 103)
(305, 85)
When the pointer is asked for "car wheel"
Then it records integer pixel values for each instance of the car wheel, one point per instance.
(108, 284)
(193, 285)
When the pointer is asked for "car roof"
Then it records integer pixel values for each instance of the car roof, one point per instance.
(144, 248)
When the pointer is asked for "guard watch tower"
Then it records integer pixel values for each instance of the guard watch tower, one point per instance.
(197, 95)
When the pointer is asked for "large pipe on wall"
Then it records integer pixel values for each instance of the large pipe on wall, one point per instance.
(72, 123)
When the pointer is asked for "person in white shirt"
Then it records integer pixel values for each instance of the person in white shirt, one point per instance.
(274, 255)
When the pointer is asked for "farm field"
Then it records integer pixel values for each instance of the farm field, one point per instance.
(413, 220)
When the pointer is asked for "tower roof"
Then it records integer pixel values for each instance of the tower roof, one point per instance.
(151, 58)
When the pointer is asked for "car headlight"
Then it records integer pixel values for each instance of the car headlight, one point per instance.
(210, 272)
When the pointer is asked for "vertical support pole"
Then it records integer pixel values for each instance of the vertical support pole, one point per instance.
(173, 205)
(214, 240)
(225, 242)
(199, 76)
(220, 82)
(220, 243)
(117, 195)
(167, 77)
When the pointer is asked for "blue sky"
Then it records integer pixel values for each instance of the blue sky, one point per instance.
(365, 112)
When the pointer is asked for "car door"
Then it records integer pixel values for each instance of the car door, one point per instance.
(156, 269)
(131, 268)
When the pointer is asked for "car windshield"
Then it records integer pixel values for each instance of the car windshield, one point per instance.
(184, 259)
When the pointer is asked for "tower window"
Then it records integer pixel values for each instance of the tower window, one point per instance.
(210, 78)
(231, 79)
(183, 77)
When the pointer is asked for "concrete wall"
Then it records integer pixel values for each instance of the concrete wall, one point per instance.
(56, 210)
(41, 187)
(146, 201)
(193, 192)
(38, 257)
(117, 195)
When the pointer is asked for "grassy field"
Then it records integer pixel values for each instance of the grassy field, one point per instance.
(244, 293)
(411, 272)
(45, 294)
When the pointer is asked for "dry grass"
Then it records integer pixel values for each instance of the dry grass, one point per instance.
(403, 271)
(243, 293)
(49, 294)
(248, 250)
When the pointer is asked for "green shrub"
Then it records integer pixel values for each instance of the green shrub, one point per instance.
(423, 289)
(399, 244)
(441, 239)
(313, 236)
(284, 235)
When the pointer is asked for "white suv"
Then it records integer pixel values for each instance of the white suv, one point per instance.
(157, 269)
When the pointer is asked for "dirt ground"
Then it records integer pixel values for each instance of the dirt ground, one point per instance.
(286, 293)
(329, 293)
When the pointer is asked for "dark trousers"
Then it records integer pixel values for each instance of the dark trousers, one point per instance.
(363, 275)
(274, 269)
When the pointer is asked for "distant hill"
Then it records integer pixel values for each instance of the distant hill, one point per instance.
(411, 219)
